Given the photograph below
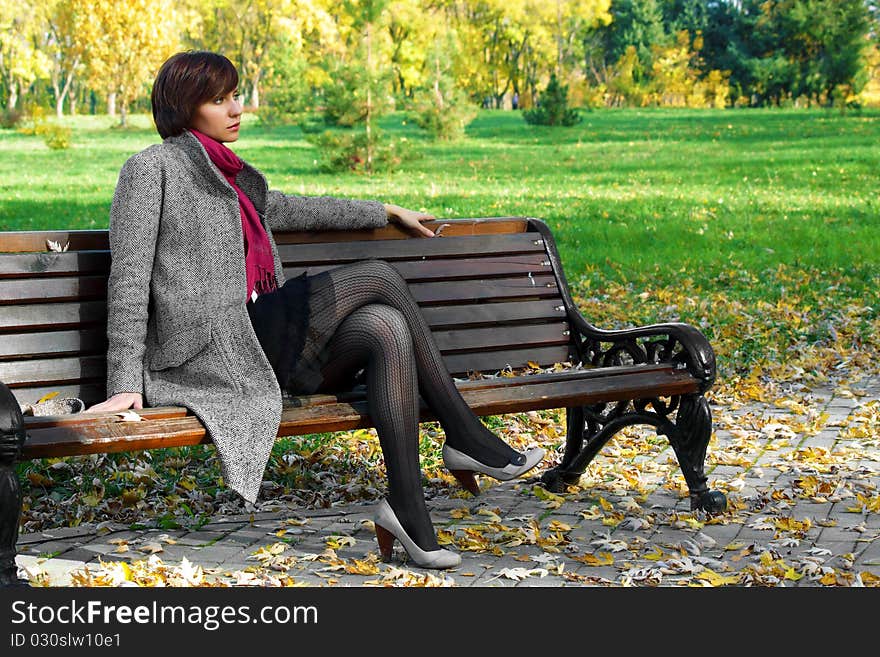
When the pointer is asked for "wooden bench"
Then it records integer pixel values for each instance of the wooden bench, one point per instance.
(492, 290)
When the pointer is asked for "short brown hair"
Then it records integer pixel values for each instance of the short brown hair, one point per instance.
(185, 81)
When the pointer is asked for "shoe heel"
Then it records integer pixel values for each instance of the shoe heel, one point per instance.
(467, 480)
(386, 542)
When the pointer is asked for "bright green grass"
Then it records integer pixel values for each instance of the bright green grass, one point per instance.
(628, 193)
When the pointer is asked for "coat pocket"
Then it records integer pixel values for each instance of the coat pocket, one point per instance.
(181, 346)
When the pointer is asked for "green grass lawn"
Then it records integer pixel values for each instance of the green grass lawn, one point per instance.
(632, 188)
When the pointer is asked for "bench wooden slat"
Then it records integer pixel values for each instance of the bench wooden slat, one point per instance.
(49, 373)
(359, 394)
(95, 287)
(66, 288)
(108, 437)
(54, 263)
(490, 362)
(82, 240)
(73, 314)
(38, 265)
(562, 394)
(518, 394)
(489, 313)
(427, 248)
(537, 335)
(454, 228)
(50, 370)
(35, 240)
(53, 342)
(449, 268)
(94, 343)
(67, 314)
(541, 286)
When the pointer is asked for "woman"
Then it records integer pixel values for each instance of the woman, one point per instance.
(199, 313)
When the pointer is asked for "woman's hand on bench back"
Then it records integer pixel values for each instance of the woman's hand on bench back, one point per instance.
(410, 220)
(121, 401)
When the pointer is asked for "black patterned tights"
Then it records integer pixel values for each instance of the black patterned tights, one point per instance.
(379, 327)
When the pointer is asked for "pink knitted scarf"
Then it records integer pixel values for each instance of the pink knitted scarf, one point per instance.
(259, 262)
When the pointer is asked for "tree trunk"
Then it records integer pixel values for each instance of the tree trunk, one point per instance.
(13, 96)
(255, 94)
(123, 115)
(68, 83)
(59, 101)
(111, 104)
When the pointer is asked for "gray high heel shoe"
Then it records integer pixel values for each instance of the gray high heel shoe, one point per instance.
(388, 528)
(463, 467)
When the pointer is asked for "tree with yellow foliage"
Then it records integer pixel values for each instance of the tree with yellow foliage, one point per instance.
(125, 43)
(21, 62)
(252, 32)
(64, 47)
(511, 45)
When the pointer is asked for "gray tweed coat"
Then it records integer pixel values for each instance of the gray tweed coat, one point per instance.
(177, 326)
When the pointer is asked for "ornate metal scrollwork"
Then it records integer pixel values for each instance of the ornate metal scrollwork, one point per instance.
(631, 351)
(684, 419)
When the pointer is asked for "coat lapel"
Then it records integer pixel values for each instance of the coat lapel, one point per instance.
(251, 181)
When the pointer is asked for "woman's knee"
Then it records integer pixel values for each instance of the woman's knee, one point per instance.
(382, 269)
(388, 327)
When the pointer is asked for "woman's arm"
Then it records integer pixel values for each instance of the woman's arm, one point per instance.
(305, 213)
(134, 226)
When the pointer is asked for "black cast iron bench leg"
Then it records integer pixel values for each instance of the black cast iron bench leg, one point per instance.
(589, 428)
(12, 436)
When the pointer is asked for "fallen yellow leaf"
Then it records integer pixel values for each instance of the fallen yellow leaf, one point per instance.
(792, 574)
(656, 555)
(716, 579)
(599, 559)
(556, 526)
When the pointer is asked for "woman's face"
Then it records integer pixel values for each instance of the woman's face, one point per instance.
(219, 117)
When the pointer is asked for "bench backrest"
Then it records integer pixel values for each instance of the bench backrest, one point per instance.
(491, 289)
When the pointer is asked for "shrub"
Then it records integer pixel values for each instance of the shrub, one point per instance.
(552, 107)
(33, 120)
(272, 116)
(56, 137)
(443, 116)
(10, 118)
(346, 150)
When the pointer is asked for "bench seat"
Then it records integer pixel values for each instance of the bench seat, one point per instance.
(175, 426)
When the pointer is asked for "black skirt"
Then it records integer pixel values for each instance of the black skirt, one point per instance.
(294, 341)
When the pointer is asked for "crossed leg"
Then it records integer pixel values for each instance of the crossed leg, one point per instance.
(348, 288)
(378, 326)
(375, 337)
